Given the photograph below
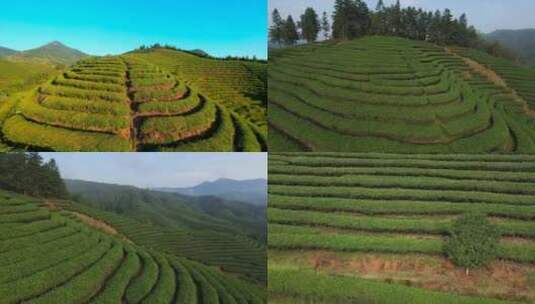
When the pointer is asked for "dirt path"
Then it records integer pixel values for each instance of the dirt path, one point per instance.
(91, 221)
(100, 225)
(493, 77)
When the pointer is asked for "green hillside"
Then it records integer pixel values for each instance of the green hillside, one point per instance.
(52, 53)
(230, 235)
(238, 85)
(50, 255)
(6, 51)
(370, 228)
(125, 103)
(391, 94)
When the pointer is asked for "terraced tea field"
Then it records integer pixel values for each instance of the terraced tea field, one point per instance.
(385, 94)
(238, 85)
(124, 103)
(231, 253)
(49, 255)
(370, 228)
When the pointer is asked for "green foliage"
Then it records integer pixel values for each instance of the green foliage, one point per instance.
(473, 242)
(29, 173)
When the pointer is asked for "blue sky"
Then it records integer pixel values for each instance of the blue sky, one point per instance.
(160, 169)
(485, 15)
(99, 27)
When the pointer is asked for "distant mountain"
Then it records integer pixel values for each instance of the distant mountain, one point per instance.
(252, 191)
(520, 41)
(54, 52)
(173, 210)
(6, 52)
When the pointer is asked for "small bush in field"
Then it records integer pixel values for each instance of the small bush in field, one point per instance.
(473, 242)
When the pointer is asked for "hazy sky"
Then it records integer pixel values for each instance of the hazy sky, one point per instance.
(485, 15)
(99, 27)
(160, 169)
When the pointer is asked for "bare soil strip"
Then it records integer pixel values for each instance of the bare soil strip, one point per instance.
(493, 77)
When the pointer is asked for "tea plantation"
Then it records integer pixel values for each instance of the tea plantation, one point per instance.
(371, 228)
(127, 103)
(386, 94)
(51, 255)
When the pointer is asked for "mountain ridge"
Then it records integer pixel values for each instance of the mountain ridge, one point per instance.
(253, 191)
(54, 52)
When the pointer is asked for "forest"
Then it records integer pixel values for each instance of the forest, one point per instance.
(30, 174)
(353, 19)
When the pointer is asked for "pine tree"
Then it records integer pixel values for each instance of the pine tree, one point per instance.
(395, 18)
(446, 27)
(351, 19)
(325, 26)
(26, 173)
(290, 34)
(276, 30)
(379, 23)
(310, 25)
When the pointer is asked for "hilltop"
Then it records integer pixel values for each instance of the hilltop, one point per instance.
(521, 42)
(54, 52)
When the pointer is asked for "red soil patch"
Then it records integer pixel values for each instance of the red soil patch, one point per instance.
(502, 280)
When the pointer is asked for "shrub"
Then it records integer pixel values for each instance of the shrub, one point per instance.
(473, 242)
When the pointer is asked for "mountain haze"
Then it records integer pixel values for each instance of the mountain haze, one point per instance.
(521, 42)
(252, 191)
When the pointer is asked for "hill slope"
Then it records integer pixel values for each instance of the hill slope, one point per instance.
(370, 228)
(238, 85)
(226, 234)
(520, 41)
(49, 255)
(124, 103)
(6, 51)
(390, 94)
(248, 191)
(52, 53)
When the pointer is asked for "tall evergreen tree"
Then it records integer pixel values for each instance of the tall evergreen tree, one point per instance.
(27, 173)
(325, 26)
(351, 19)
(290, 35)
(310, 25)
(276, 30)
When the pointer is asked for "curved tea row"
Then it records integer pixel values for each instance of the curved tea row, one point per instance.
(388, 204)
(50, 256)
(388, 94)
(124, 104)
